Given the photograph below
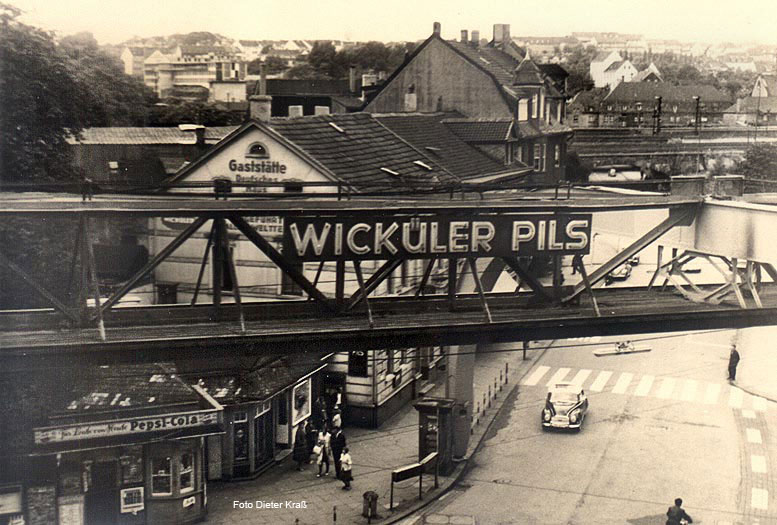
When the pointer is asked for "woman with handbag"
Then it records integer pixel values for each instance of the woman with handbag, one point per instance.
(323, 451)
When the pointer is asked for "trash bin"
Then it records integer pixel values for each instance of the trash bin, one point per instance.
(370, 508)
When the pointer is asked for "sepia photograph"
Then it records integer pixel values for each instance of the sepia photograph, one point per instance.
(413, 262)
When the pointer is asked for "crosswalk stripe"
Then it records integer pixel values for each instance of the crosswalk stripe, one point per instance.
(753, 435)
(644, 386)
(758, 464)
(600, 381)
(760, 499)
(711, 395)
(559, 376)
(667, 385)
(735, 398)
(580, 377)
(759, 403)
(535, 376)
(623, 383)
(689, 390)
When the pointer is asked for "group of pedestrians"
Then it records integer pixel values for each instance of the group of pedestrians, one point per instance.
(324, 439)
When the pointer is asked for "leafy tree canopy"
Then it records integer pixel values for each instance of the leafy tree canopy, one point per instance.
(759, 167)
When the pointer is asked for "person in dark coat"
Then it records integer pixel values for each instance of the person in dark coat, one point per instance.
(676, 514)
(319, 413)
(300, 452)
(311, 435)
(733, 361)
(337, 443)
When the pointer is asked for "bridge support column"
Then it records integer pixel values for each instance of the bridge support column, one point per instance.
(460, 386)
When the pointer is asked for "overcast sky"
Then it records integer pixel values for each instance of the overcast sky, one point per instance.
(113, 21)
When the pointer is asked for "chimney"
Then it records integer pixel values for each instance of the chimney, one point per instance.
(475, 38)
(296, 111)
(321, 110)
(501, 33)
(352, 79)
(436, 28)
(260, 107)
(464, 36)
(262, 79)
(199, 134)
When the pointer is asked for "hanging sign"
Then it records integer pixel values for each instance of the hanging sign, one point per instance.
(327, 239)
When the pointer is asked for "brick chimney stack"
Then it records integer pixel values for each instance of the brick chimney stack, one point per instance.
(475, 38)
(464, 36)
(260, 107)
(501, 33)
(436, 28)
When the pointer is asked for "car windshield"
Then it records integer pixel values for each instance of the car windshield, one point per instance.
(564, 398)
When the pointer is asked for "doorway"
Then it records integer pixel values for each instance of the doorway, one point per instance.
(102, 499)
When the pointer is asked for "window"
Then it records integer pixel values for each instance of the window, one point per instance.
(544, 156)
(523, 109)
(257, 150)
(240, 417)
(557, 155)
(574, 118)
(132, 500)
(389, 361)
(161, 477)
(534, 106)
(357, 363)
(186, 472)
(537, 157)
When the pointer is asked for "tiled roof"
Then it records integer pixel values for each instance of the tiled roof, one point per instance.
(554, 71)
(645, 92)
(428, 133)
(117, 387)
(480, 130)
(527, 73)
(589, 98)
(239, 383)
(530, 129)
(495, 61)
(138, 136)
(361, 151)
(616, 65)
(601, 56)
(644, 74)
(752, 104)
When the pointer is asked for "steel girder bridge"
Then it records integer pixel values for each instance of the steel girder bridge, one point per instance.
(733, 236)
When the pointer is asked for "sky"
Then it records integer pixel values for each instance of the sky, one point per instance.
(114, 21)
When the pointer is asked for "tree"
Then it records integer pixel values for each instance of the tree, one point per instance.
(273, 65)
(184, 112)
(759, 168)
(578, 64)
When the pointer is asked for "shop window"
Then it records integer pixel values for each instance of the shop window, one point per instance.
(161, 477)
(357, 363)
(186, 472)
(132, 466)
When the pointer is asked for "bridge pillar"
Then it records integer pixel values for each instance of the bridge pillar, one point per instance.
(460, 387)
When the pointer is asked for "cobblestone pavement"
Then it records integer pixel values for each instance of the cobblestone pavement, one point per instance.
(375, 454)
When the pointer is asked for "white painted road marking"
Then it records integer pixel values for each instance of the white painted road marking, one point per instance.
(711, 395)
(558, 377)
(665, 392)
(535, 376)
(753, 435)
(600, 381)
(758, 464)
(580, 377)
(760, 499)
(689, 391)
(735, 398)
(623, 383)
(644, 386)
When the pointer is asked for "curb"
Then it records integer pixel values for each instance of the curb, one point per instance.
(463, 467)
(752, 392)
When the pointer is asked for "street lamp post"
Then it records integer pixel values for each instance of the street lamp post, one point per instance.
(697, 116)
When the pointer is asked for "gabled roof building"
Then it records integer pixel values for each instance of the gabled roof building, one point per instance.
(492, 81)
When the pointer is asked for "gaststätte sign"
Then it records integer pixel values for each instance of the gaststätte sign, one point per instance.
(357, 238)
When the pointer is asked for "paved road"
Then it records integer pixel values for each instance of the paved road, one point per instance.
(661, 424)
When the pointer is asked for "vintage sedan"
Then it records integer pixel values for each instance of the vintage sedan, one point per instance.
(565, 407)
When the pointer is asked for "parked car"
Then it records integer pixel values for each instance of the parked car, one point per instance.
(565, 407)
(621, 273)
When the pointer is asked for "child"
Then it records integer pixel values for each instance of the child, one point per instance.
(346, 464)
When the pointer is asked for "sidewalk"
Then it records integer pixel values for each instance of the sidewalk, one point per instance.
(757, 370)
(375, 454)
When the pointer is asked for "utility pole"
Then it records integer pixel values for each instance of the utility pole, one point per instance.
(657, 116)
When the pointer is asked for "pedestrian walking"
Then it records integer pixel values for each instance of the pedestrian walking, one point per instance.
(346, 475)
(733, 361)
(323, 452)
(676, 515)
(300, 451)
(337, 443)
(311, 438)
